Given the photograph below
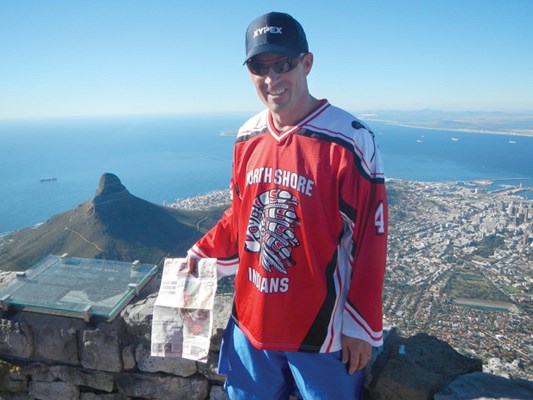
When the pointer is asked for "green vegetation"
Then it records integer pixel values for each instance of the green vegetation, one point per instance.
(488, 245)
(431, 203)
(512, 290)
(393, 195)
(396, 210)
(473, 286)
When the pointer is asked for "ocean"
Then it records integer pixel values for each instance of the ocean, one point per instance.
(164, 158)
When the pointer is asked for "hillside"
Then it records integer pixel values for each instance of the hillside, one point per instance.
(114, 224)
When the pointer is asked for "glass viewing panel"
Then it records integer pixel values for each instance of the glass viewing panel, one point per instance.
(77, 287)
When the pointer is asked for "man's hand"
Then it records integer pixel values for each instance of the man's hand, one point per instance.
(191, 265)
(356, 353)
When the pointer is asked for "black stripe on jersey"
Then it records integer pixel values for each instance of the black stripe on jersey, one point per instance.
(317, 333)
(348, 146)
(347, 209)
(252, 134)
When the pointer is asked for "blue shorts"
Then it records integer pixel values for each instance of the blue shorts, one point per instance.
(270, 375)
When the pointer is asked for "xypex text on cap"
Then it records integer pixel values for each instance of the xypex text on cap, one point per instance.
(275, 32)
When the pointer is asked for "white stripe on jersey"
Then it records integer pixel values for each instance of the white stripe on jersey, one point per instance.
(375, 337)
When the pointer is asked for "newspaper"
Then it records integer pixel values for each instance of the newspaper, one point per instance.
(183, 311)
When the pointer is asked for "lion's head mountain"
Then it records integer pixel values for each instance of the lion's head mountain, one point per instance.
(114, 224)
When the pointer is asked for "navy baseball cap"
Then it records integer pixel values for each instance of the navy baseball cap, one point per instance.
(275, 33)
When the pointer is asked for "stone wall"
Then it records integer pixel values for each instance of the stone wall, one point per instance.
(57, 358)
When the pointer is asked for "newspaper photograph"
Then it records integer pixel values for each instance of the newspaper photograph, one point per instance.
(182, 317)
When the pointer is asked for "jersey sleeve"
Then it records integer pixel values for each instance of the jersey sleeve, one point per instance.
(221, 241)
(364, 212)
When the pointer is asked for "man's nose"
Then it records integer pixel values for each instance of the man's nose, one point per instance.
(272, 75)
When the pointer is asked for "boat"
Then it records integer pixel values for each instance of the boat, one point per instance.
(454, 139)
(49, 179)
(512, 141)
(419, 141)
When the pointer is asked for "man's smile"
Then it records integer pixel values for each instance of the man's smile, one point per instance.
(278, 92)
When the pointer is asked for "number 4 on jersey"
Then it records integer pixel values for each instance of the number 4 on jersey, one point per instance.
(379, 219)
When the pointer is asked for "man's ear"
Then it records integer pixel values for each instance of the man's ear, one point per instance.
(307, 62)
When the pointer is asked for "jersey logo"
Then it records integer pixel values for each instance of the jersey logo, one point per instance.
(270, 231)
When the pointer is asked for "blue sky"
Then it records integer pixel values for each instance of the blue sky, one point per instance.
(172, 57)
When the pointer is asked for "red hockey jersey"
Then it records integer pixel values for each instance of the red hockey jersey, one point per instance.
(306, 232)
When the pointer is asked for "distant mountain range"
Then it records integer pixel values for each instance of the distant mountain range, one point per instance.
(115, 225)
(468, 121)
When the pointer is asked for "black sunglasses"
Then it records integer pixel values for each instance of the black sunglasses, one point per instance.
(279, 65)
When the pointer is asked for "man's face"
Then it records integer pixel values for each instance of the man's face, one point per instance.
(284, 93)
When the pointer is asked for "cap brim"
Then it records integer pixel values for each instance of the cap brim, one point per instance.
(273, 48)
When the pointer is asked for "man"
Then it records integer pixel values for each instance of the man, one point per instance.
(306, 233)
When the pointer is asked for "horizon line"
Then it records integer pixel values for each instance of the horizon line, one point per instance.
(360, 112)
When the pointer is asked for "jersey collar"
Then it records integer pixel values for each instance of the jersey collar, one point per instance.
(279, 136)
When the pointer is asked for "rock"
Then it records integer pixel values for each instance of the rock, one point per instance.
(209, 369)
(221, 314)
(56, 344)
(34, 369)
(138, 317)
(54, 391)
(11, 378)
(128, 357)
(172, 365)
(479, 385)
(417, 367)
(110, 189)
(162, 387)
(92, 379)
(45, 376)
(497, 367)
(217, 393)
(55, 338)
(38, 372)
(112, 396)
(380, 356)
(15, 396)
(101, 351)
(16, 339)
(6, 277)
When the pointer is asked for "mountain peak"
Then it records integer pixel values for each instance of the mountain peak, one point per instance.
(109, 189)
(110, 184)
(114, 224)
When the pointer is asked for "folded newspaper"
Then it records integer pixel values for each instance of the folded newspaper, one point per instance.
(183, 311)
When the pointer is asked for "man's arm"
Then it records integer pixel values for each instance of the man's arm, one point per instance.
(221, 241)
(364, 211)
(362, 321)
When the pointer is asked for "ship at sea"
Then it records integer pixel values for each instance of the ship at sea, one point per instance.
(49, 179)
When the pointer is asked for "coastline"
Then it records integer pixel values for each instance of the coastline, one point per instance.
(179, 157)
(515, 132)
(220, 198)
